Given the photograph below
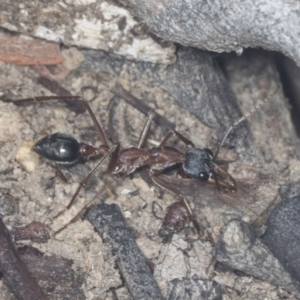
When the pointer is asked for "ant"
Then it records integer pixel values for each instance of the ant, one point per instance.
(200, 164)
(176, 218)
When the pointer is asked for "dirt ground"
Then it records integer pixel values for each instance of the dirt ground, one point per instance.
(39, 194)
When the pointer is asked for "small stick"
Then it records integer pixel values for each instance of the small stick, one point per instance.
(58, 90)
(15, 273)
(109, 222)
(142, 107)
(53, 87)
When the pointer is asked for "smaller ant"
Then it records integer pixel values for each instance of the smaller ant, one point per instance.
(176, 219)
(201, 164)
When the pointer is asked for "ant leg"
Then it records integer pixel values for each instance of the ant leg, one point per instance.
(217, 183)
(58, 171)
(111, 151)
(221, 185)
(179, 135)
(153, 210)
(86, 206)
(230, 182)
(100, 131)
(113, 159)
(164, 186)
(145, 131)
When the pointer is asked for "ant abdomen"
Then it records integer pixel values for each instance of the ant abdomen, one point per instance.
(61, 148)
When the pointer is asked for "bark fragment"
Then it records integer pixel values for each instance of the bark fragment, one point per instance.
(111, 225)
(15, 272)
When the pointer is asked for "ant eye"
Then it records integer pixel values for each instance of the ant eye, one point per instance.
(203, 176)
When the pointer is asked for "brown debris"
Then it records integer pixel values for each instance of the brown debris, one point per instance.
(142, 107)
(21, 51)
(34, 231)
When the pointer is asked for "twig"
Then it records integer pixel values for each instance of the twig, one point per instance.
(142, 107)
(55, 88)
(109, 222)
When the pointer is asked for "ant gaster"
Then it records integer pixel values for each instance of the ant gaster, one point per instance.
(62, 148)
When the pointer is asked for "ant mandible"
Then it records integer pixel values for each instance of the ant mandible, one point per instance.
(63, 148)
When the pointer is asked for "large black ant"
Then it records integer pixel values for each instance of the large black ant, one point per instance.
(201, 164)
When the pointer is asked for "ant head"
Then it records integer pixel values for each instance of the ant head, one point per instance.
(166, 234)
(198, 164)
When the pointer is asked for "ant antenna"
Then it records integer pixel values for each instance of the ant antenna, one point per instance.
(145, 130)
(242, 119)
